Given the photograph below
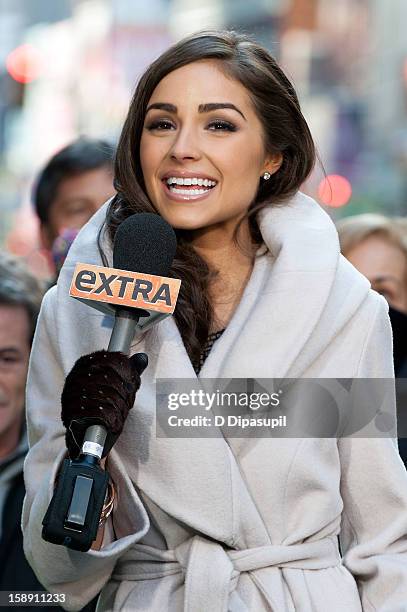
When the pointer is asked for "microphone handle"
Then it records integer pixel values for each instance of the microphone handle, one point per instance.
(123, 330)
(122, 334)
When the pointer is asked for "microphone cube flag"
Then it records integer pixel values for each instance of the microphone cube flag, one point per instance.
(108, 288)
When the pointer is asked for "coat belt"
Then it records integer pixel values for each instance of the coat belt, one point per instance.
(211, 571)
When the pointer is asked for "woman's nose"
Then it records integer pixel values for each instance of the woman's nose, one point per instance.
(185, 146)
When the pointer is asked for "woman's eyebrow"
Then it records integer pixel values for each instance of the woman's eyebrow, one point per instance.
(202, 108)
(207, 108)
(170, 108)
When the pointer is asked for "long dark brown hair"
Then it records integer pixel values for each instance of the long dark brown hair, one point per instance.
(285, 131)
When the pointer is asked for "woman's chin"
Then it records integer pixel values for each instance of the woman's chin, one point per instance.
(190, 226)
(190, 221)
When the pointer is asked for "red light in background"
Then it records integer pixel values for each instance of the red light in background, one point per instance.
(334, 191)
(25, 63)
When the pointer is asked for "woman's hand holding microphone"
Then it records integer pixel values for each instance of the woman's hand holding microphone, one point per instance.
(100, 389)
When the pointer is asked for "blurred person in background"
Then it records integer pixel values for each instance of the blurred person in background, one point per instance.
(20, 299)
(69, 190)
(377, 246)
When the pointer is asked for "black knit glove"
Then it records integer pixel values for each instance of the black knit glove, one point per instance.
(100, 390)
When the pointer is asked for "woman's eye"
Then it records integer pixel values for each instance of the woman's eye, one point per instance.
(160, 124)
(215, 126)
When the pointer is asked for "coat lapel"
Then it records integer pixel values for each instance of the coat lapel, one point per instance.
(285, 297)
(190, 478)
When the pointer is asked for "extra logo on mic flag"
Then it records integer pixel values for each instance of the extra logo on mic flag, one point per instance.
(106, 288)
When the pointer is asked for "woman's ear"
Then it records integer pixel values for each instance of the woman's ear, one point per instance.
(273, 163)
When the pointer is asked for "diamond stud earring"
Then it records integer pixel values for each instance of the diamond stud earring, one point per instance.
(266, 176)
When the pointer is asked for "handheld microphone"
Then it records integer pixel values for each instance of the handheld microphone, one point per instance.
(144, 243)
(136, 287)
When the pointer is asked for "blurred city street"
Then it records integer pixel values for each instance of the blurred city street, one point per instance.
(69, 67)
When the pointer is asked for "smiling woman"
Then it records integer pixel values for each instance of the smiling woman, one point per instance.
(216, 144)
(185, 141)
(196, 109)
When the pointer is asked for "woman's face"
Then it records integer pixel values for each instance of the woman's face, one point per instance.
(202, 148)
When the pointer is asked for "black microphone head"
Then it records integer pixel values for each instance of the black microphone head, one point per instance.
(144, 243)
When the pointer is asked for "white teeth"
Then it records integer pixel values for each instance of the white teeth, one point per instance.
(173, 180)
(189, 192)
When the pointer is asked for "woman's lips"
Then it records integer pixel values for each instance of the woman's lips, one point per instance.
(178, 197)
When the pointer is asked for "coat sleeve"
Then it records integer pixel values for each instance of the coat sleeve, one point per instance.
(374, 491)
(80, 576)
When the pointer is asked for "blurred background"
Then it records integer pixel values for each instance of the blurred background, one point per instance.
(68, 68)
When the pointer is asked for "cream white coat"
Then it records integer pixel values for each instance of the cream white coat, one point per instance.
(215, 525)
